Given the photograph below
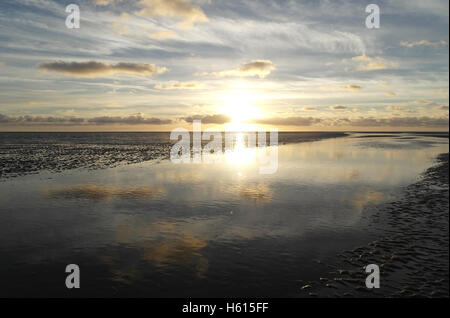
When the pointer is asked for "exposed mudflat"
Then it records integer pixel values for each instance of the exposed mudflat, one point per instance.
(412, 250)
(18, 160)
(30, 153)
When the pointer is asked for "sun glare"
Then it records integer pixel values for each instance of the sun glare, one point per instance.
(241, 107)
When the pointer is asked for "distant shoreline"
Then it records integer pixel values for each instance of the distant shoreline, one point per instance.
(425, 133)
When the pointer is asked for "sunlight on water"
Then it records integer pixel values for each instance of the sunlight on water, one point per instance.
(182, 225)
(240, 155)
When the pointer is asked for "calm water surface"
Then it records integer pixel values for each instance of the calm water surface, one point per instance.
(161, 229)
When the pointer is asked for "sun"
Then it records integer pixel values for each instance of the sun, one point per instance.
(240, 107)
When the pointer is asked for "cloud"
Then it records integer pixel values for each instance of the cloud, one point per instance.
(394, 122)
(104, 2)
(209, 119)
(260, 68)
(443, 92)
(352, 88)
(423, 43)
(443, 107)
(390, 93)
(163, 35)
(181, 9)
(130, 120)
(287, 121)
(98, 69)
(28, 119)
(366, 63)
(119, 27)
(179, 85)
(424, 103)
(399, 109)
(338, 107)
(309, 108)
(357, 122)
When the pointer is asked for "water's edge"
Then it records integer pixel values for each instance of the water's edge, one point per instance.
(412, 249)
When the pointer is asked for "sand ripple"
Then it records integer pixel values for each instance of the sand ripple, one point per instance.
(412, 250)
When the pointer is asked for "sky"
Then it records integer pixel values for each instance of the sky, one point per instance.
(156, 65)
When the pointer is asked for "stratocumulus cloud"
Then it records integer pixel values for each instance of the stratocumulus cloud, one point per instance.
(28, 119)
(209, 119)
(352, 88)
(130, 120)
(259, 68)
(139, 119)
(287, 121)
(338, 107)
(103, 120)
(99, 69)
(423, 121)
(359, 122)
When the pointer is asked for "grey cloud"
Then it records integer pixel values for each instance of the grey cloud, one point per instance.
(95, 69)
(130, 120)
(353, 88)
(360, 122)
(39, 119)
(338, 107)
(209, 119)
(288, 121)
(394, 122)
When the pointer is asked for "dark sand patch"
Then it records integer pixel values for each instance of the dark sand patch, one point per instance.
(412, 250)
(19, 160)
(31, 153)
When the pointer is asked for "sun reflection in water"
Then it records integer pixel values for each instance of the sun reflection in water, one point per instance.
(241, 156)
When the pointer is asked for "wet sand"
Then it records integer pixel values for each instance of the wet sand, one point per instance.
(20, 160)
(26, 153)
(412, 250)
(166, 230)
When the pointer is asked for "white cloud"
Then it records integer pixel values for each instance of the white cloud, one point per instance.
(181, 9)
(260, 68)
